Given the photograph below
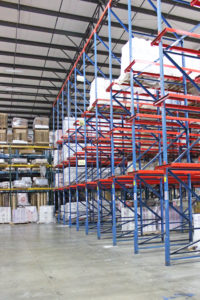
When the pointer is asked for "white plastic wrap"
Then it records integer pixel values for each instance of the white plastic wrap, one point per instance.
(5, 185)
(57, 136)
(22, 199)
(46, 214)
(40, 161)
(58, 180)
(145, 54)
(67, 123)
(19, 123)
(19, 215)
(2, 161)
(41, 123)
(21, 184)
(40, 181)
(32, 214)
(5, 215)
(19, 142)
(72, 172)
(19, 161)
(51, 137)
(196, 235)
(57, 158)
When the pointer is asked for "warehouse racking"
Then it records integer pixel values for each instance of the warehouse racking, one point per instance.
(11, 171)
(139, 147)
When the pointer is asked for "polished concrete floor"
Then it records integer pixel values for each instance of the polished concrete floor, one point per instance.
(51, 262)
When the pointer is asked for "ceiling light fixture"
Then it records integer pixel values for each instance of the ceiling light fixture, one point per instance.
(13, 71)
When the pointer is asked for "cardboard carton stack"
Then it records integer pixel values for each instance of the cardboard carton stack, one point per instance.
(41, 130)
(3, 127)
(20, 131)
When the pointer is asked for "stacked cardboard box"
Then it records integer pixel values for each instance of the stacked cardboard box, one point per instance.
(41, 131)
(3, 127)
(20, 130)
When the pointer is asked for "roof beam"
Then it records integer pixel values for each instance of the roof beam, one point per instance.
(28, 77)
(56, 59)
(34, 56)
(53, 31)
(47, 45)
(65, 15)
(20, 112)
(29, 86)
(27, 94)
(151, 12)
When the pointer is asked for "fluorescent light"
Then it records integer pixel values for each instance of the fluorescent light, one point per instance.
(13, 89)
(13, 71)
(80, 78)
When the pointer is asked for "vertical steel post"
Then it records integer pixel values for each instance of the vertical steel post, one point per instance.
(63, 144)
(133, 132)
(76, 145)
(164, 132)
(114, 231)
(54, 172)
(85, 141)
(69, 169)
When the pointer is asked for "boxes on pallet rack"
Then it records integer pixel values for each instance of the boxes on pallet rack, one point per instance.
(41, 123)
(3, 135)
(3, 120)
(41, 136)
(19, 123)
(20, 135)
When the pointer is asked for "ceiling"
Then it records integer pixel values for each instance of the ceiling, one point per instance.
(40, 40)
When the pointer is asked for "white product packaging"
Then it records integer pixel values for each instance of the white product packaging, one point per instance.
(22, 199)
(67, 123)
(19, 123)
(127, 218)
(19, 215)
(58, 180)
(18, 184)
(5, 185)
(144, 55)
(57, 136)
(5, 215)
(57, 158)
(46, 214)
(102, 85)
(40, 161)
(41, 123)
(19, 161)
(40, 181)
(32, 214)
(196, 235)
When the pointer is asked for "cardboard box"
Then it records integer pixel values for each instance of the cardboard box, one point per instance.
(41, 123)
(26, 151)
(3, 135)
(3, 120)
(20, 134)
(41, 136)
(19, 123)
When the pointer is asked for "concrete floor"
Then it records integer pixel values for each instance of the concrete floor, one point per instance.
(49, 262)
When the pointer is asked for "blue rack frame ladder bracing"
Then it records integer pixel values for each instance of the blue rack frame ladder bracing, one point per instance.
(127, 163)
